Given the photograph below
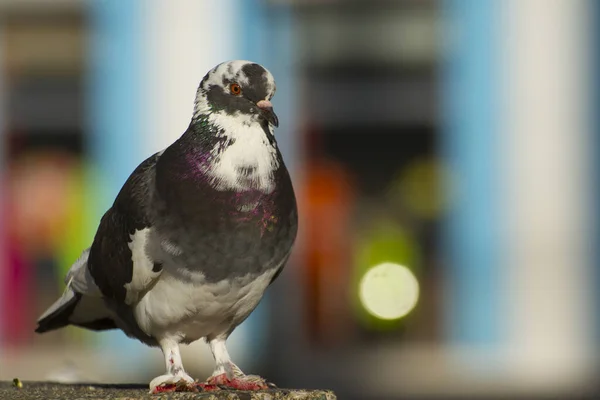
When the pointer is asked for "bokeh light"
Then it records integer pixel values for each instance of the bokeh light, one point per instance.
(389, 291)
(384, 242)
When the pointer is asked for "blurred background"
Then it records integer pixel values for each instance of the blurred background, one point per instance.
(445, 156)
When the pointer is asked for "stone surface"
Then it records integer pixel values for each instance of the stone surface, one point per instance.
(51, 391)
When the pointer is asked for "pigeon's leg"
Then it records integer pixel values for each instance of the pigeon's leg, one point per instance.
(175, 376)
(229, 375)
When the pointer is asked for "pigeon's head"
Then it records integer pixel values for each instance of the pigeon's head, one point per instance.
(239, 89)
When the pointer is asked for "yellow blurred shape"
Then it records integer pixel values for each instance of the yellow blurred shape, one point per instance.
(422, 187)
(389, 291)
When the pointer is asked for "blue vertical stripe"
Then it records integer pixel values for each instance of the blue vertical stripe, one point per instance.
(114, 112)
(115, 83)
(469, 145)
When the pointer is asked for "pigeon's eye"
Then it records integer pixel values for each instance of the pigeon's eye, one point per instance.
(235, 89)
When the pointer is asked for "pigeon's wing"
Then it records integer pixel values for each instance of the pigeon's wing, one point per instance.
(115, 266)
(119, 260)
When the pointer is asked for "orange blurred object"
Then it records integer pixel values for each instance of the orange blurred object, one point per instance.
(326, 201)
(37, 184)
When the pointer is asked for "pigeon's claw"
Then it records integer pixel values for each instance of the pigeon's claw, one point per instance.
(246, 382)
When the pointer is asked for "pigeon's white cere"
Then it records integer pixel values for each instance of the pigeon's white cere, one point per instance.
(250, 147)
(389, 291)
(142, 265)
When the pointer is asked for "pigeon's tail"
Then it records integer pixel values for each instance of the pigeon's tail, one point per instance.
(73, 308)
(58, 314)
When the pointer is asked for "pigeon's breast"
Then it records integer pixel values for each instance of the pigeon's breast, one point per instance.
(224, 232)
(244, 233)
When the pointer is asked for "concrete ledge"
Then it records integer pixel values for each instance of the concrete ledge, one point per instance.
(51, 391)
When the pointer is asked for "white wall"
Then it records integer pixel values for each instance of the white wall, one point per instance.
(546, 133)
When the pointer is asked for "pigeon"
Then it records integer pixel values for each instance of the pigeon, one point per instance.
(195, 236)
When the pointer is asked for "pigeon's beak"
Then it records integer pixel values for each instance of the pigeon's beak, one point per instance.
(267, 112)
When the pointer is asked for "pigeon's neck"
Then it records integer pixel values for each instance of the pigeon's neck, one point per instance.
(236, 153)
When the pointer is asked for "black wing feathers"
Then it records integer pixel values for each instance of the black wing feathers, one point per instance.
(110, 262)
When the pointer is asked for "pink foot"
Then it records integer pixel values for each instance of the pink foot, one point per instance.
(181, 386)
(247, 382)
(171, 387)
